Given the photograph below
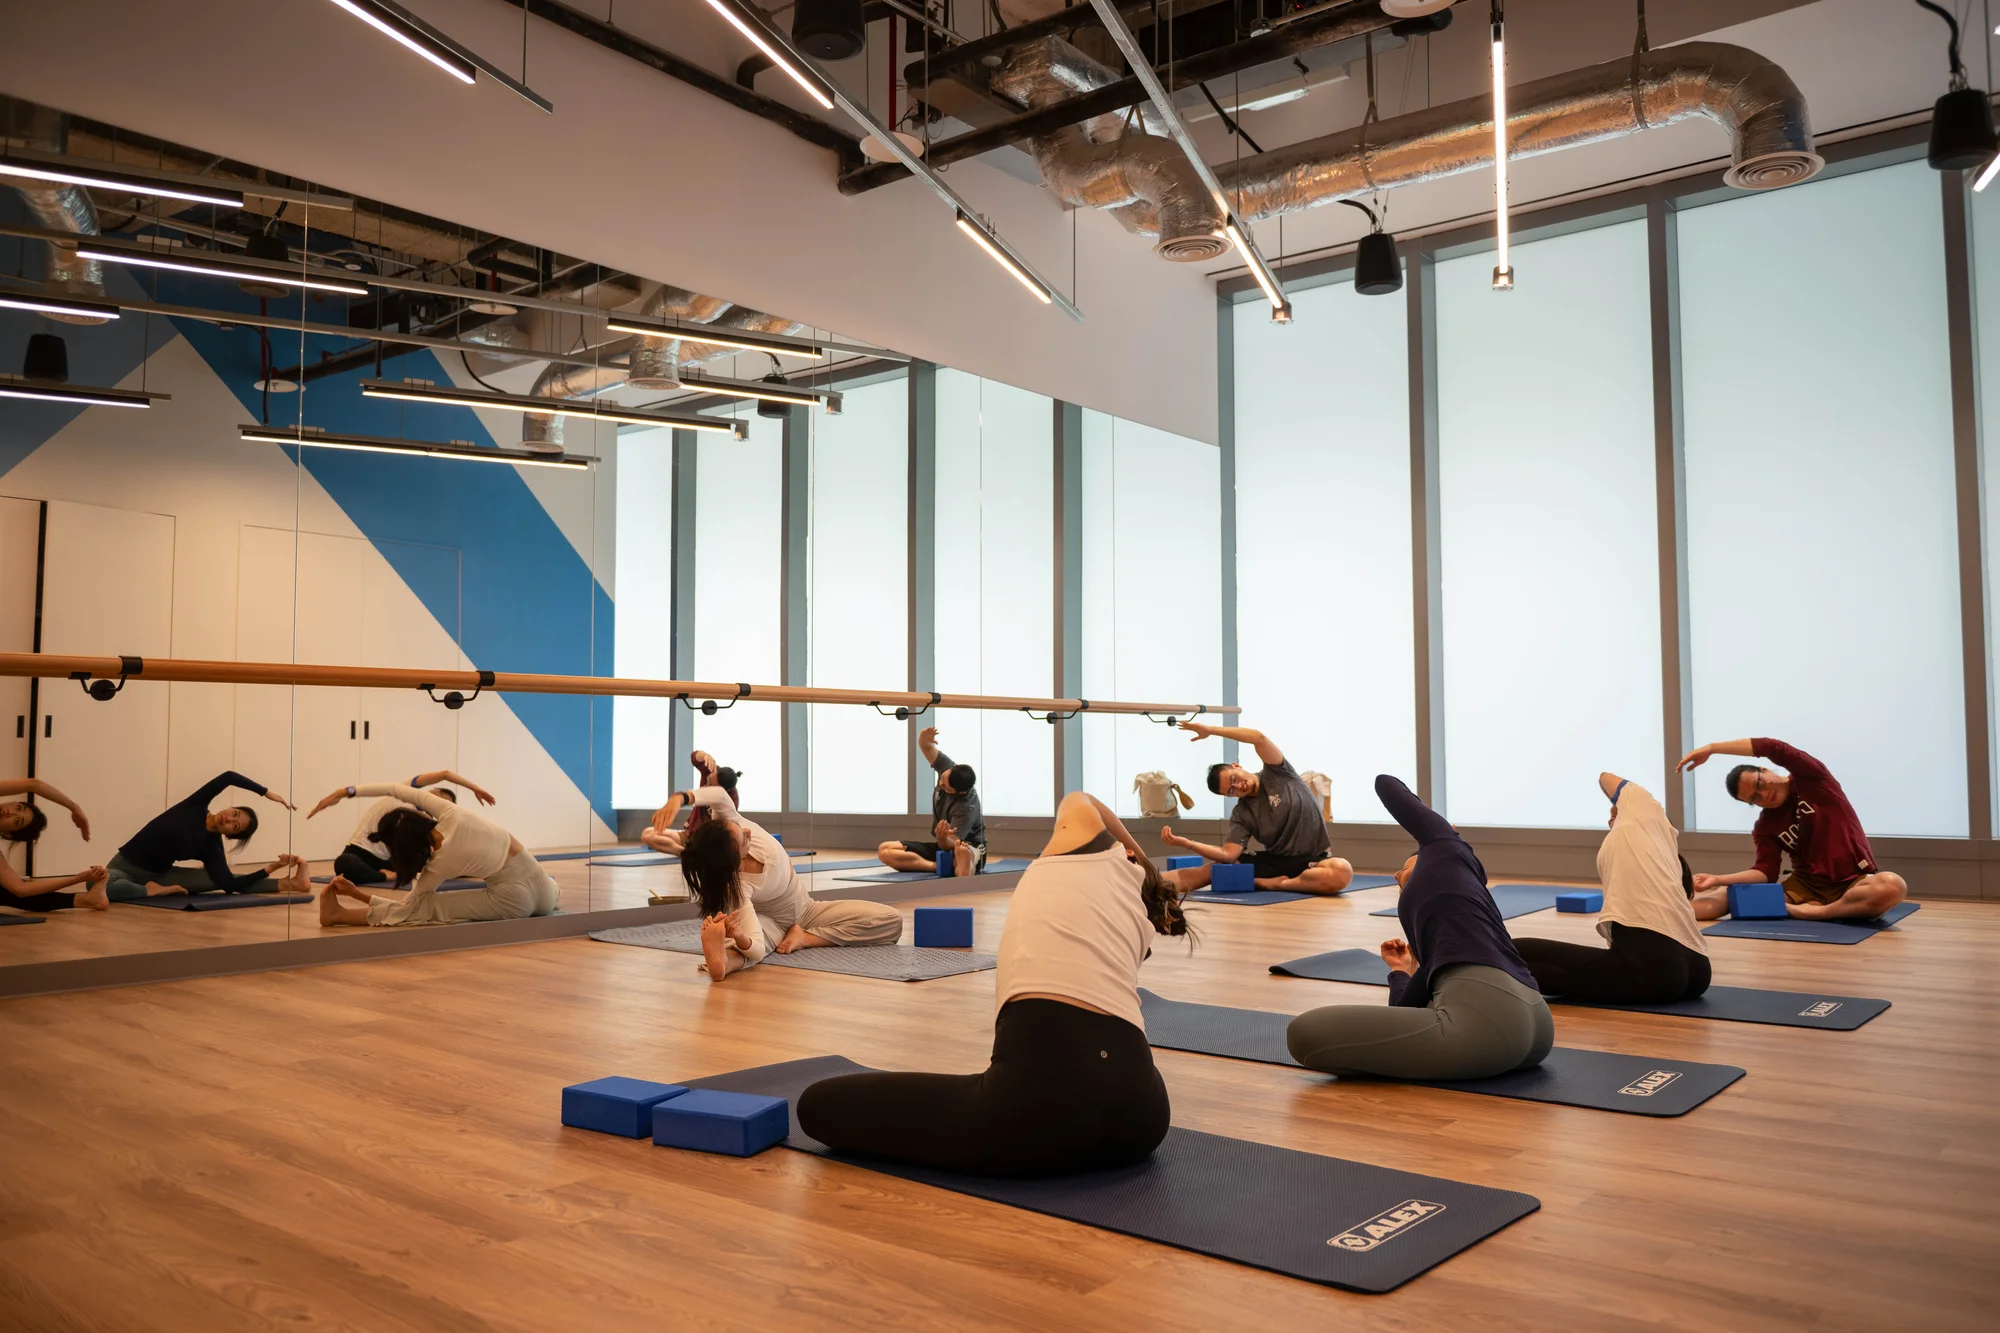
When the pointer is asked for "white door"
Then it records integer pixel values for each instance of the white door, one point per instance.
(20, 534)
(107, 589)
(403, 731)
(297, 595)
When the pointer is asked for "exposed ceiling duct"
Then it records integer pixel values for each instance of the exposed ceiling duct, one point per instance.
(655, 360)
(59, 208)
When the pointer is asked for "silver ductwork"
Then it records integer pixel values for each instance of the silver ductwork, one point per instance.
(1109, 162)
(544, 431)
(742, 319)
(655, 361)
(62, 208)
(1756, 102)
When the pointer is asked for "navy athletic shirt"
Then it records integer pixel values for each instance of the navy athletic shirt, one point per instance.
(1448, 914)
(181, 833)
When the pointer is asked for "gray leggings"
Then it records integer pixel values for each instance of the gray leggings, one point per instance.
(127, 880)
(1480, 1022)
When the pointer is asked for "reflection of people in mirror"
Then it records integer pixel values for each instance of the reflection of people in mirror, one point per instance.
(23, 822)
(661, 838)
(189, 831)
(365, 859)
(433, 841)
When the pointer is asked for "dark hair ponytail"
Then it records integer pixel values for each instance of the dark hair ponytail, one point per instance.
(1163, 902)
(1687, 878)
(710, 860)
(407, 835)
(38, 819)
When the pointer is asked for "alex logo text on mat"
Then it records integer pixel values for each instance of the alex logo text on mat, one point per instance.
(1648, 1084)
(1820, 1010)
(1385, 1225)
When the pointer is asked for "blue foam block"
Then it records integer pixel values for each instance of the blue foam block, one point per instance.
(944, 928)
(946, 863)
(1583, 900)
(736, 1123)
(616, 1105)
(1183, 862)
(1757, 902)
(1236, 878)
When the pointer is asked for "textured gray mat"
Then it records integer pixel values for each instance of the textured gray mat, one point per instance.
(1344, 1224)
(1731, 1004)
(1599, 1080)
(885, 962)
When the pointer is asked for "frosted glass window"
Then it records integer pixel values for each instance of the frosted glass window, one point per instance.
(1325, 636)
(642, 633)
(1986, 311)
(1152, 604)
(995, 572)
(738, 561)
(1822, 557)
(1549, 555)
(860, 597)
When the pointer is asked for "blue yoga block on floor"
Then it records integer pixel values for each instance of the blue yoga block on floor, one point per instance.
(735, 1123)
(1757, 902)
(616, 1105)
(1235, 878)
(1583, 900)
(946, 863)
(944, 927)
(1183, 862)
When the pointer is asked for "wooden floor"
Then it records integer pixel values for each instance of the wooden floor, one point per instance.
(375, 1146)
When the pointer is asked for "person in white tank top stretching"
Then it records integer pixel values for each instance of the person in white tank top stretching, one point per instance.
(1072, 1086)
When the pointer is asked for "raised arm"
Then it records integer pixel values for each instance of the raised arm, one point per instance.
(37, 787)
(1082, 817)
(1267, 750)
(1418, 820)
(1701, 754)
(436, 776)
(927, 742)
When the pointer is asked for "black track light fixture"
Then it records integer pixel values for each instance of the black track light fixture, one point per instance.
(270, 250)
(1962, 133)
(1377, 270)
(47, 359)
(829, 29)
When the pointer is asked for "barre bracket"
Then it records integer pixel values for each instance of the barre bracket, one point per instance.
(1052, 716)
(903, 712)
(1174, 719)
(709, 707)
(454, 700)
(102, 689)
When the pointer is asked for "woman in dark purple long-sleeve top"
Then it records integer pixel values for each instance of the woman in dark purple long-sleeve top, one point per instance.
(1462, 1003)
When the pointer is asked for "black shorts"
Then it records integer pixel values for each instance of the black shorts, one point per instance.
(1270, 865)
(929, 851)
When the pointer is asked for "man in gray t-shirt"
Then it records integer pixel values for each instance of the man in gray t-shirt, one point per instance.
(1274, 810)
(956, 821)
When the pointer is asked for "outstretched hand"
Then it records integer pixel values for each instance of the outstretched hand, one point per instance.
(273, 796)
(1196, 731)
(1704, 882)
(82, 823)
(1695, 758)
(1171, 838)
(1398, 956)
(332, 798)
(928, 736)
(480, 794)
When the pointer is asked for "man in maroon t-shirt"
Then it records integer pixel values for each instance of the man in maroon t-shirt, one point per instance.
(1806, 817)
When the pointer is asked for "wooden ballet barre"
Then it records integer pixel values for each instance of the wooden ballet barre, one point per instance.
(103, 677)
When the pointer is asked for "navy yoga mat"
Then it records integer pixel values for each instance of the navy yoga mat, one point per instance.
(1598, 1080)
(1345, 1224)
(448, 886)
(9, 919)
(1781, 1008)
(885, 962)
(993, 867)
(1512, 899)
(1265, 897)
(216, 902)
(1813, 932)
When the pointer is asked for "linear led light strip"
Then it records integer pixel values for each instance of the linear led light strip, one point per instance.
(699, 333)
(216, 268)
(376, 444)
(1233, 230)
(770, 393)
(121, 181)
(778, 46)
(400, 25)
(418, 391)
(1503, 271)
(48, 391)
(56, 305)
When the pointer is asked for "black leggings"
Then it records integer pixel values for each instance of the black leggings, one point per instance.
(37, 902)
(361, 866)
(1641, 967)
(1069, 1090)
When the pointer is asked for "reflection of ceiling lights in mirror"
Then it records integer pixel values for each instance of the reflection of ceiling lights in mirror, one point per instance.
(12, 386)
(124, 182)
(722, 337)
(460, 450)
(772, 390)
(184, 261)
(422, 391)
(57, 305)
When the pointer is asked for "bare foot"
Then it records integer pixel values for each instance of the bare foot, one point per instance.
(714, 951)
(163, 890)
(1806, 911)
(96, 898)
(329, 907)
(796, 939)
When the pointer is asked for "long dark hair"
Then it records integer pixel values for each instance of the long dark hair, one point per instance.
(710, 860)
(407, 835)
(249, 828)
(38, 819)
(1163, 902)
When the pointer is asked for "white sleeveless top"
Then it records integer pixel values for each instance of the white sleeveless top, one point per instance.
(1639, 863)
(1077, 928)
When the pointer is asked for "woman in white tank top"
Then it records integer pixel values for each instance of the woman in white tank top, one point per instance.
(1072, 1085)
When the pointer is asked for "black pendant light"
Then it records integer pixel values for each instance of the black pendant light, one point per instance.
(271, 250)
(767, 407)
(1377, 270)
(47, 359)
(829, 29)
(1962, 133)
